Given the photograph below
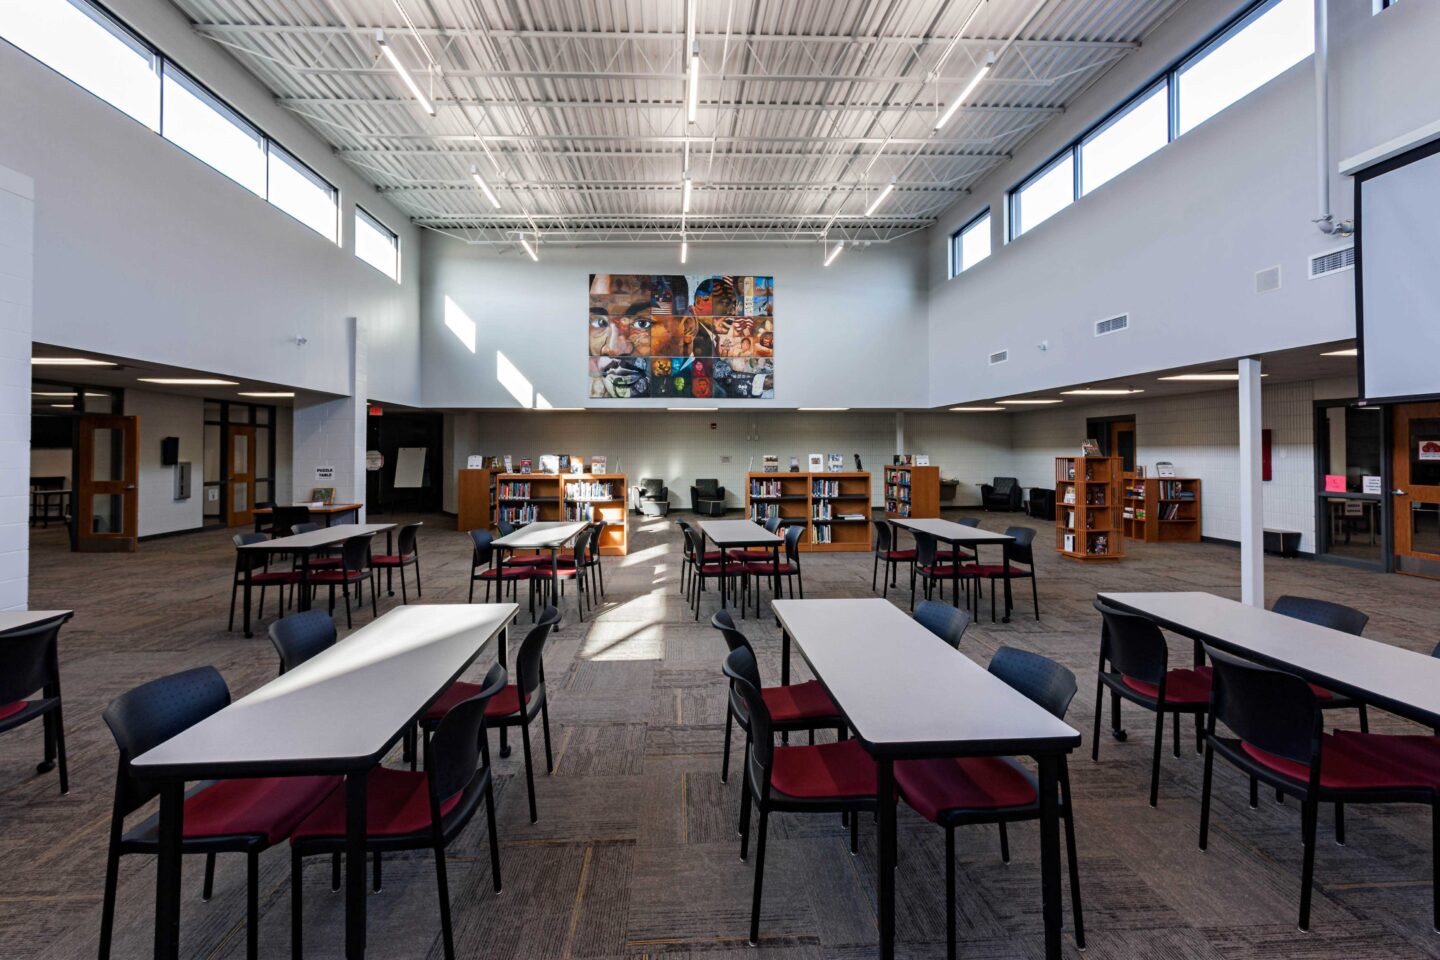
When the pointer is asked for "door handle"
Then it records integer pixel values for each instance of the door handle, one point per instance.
(129, 486)
(1397, 493)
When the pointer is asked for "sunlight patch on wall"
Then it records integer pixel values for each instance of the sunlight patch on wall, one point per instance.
(460, 324)
(515, 382)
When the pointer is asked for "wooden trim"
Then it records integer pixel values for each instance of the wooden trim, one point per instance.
(797, 504)
(1096, 507)
(87, 488)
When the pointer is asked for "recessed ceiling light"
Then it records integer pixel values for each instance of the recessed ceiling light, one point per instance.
(1030, 402)
(68, 362)
(693, 409)
(1206, 376)
(976, 409)
(189, 382)
(63, 406)
(266, 393)
(561, 409)
(1100, 392)
(1352, 352)
(822, 409)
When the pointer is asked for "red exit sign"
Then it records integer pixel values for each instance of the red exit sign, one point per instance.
(376, 410)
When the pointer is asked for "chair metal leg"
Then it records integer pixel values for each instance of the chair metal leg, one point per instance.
(725, 758)
(545, 728)
(207, 889)
(1070, 853)
(442, 885)
(59, 732)
(494, 838)
(374, 607)
(252, 898)
(1205, 782)
(1099, 708)
(874, 571)
(1308, 811)
(1155, 760)
(1035, 593)
(234, 588)
(1176, 727)
(297, 911)
(335, 873)
(529, 770)
(419, 594)
(745, 802)
(1254, 793)
(404, 598)
(375, 872)
(950, 893)
(1364, 719)
(1004, 844)
(759, 878)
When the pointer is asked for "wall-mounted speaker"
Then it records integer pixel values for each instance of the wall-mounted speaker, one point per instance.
(169, 451)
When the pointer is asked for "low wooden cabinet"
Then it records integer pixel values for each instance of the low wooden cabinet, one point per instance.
(488, 496)
(834, 508)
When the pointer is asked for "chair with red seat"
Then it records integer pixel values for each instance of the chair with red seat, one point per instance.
(788, 568)
(756, 554)
(566, 568)
(1020, 550)
(528, 560)
(794, 707)
(886, 553)
(961, 791)
(483, 569)
(407, 556)
(822, 778)
(953, 552)
(945, 621)
(408, 810)
(263, 577)
(932, 571)
(687, 556)
(354, 569)
(702, 569)
(1139, 671)
(30, 662)
(1336, 616)
(223, 816)
(1277, 723)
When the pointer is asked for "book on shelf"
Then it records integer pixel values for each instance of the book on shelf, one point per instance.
(760, 512)
(823, 510)
(770, 463)
(1069, 543)
(580, 510)
(597, 465)
(765, 489)
(836, 462)
(1090, 448)
(1069, 495)
(514, 490)
(853, 516)
(1070, 519)
(589, 490)
(1098, 544)
(823, 533)
(816, 462)
(825, 488)
(525, 465)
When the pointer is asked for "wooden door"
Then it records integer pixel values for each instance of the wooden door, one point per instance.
(1122, 443)
(240, 484)
(107, 486)
(1415, 469)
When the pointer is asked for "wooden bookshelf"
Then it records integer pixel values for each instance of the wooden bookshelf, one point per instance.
(804, 499)
(912, 492)
(1161, 509)
(475, 499)
(522, 498)
(1088, 508)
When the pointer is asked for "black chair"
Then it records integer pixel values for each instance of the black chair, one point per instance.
(516, 560)
(1278, 726)
(300, 636)
(933, 570)
(520, 702)
(945, 621)
(960, 791)
(482, 568)
(592, 558)
(408, 555)
(262, 577)
(1336, 616)
(354, 569)
(1004, 493)
(283, 519)
(821, 778)
(406, 810)
(30, 662)
(702, 569)
(652, 497)
(1138, 659)
(222, 816)
(886, 553)
(745, 555)
(789, 568)
(707, 498)
(687, 556)
(564, 569)
(1021, 550)
(953, 552)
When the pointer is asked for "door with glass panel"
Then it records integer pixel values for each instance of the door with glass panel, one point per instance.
(1415, 467)
(240, 443)
(106, 493)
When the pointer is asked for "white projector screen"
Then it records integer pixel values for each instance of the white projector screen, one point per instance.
(1398, 276)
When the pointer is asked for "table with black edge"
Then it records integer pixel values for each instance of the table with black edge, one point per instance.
(1401, 681)
(304, 545)
(959, 535)
(338, 713)
(330, 513)
(909, 695)
(730, 535)
(539, 535)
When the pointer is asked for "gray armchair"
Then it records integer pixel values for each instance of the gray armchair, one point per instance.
(1003, 494)
(652, 497)
(707, 498)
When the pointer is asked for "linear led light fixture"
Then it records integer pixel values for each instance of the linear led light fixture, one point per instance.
(267, 393)
(959, 101)
(879, 199)
(685, 195)
(1029, 403)
(1352, 352)
(561, 409)
(63, 406)
(1101, 392)
(189, 381)
(977, 409)
(410, 83)
(822, 409)
(529, 249)
(692, 409)
(684, 250)
(834, 252)
(1205, 376)
(64, 393)
(692, 50)
(68, 362)
(484, 187)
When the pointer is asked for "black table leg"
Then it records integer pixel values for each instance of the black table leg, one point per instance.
(304, 602)
(389, 571)
(955, 575)
(886, 770)
(784, 658)
(774, 587)
(355, 864)
(167, 872)
(1009, 600)
(249, 568)
(1050, 853)
(555, 584)
(504, 634)
(723, 558)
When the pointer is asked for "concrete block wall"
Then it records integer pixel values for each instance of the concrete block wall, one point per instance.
(17, 260)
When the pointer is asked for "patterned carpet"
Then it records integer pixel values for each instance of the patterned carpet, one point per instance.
(635, 854)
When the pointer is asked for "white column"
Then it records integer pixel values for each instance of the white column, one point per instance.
(1252, 519)
(900, 431)
(329, 436)
(17, 258)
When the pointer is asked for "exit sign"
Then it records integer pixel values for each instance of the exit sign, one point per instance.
(376, 410)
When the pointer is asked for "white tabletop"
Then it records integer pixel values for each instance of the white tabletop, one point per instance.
(324, 537)
(739, 533)
(952, 532)
(20, 619)
(908, 693)
(343, 707)
(1400, 680)
(540, 534)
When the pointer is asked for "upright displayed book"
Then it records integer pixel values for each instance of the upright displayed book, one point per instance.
(836, 462)
(770, 463)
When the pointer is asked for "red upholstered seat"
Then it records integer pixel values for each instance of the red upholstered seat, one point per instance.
(799, 701)
(767, 568)
(897, 555)
(1321, 693)
(713, 569)
(743, 556)
(841, 769)
(1360, 761)
(10, 709)
(397, 802)
(944, 570)
(504, 703)
(1182, 685)
(270, 807)
(507, 573)
(713, 556)
(992, 570)
(526, 561)
(391, 560)
(337, 576)
(931, 787)
(319, 563)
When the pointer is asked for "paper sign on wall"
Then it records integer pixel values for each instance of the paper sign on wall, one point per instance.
(324, 473)
(1428, 450)
(1370, 485)
(374, 460)
(1334, 483)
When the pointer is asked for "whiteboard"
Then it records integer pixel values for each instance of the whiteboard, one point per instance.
(410, 467)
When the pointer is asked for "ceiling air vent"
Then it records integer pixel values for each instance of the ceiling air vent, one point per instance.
(1267, 280)
(1332, 261)
(999, 357)
(1112, 325)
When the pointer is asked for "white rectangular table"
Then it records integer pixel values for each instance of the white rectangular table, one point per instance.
(958, 534)
(908, 695)
(539, 535)
(730, 535)
(305, 544)
(339, 712)
(1401, 681)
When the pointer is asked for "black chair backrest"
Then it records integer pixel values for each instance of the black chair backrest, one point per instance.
(1038, 677)
(300, 636)
(792, 543)
(924, 549)
(597, 529)
(483, 551)
(505, 527)
(242, 539)
(1324, 613)
(243, 557)
(28, 661)
(309, 526)
(651, 487)
(772, 523)
(283, 519)
(707, 487)
(969, 521)
(152, 713)
(725, 623)
(579, 545)
(884, 539)
(945, 621)
(529, 662)
(407, 539)
(686, 546)
(1021, 550)
(1274, 711)
(456, 751)
(355, 553)
(1003, 485)
(1133, 645)
(741, 668)
(696, 539)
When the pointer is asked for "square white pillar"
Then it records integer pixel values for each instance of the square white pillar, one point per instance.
(328, 437)
(17, 259)
(1252, 516)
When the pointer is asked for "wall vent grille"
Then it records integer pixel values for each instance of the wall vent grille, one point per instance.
(1267, 280)
(1000, 356)
(1112, 325)
(1332, 261)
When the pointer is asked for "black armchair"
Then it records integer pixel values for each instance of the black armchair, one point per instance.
(1003, 494)
(652, 497)
(707, 498)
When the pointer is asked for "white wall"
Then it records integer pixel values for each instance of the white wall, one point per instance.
(17, 217)
(851, 335)
(143, 252)
(168, 415)
(51, 462)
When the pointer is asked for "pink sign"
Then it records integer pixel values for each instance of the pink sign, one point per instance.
(1334, 483)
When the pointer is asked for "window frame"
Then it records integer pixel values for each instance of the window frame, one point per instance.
(1120, 113)
(1040, 172)
(957, 240)
(377, 223)
(309, 172)
(208, 97)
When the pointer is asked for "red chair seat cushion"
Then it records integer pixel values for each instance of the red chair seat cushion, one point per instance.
(270, 806)
(767, 569)
(1321, 693)
(1361, 761)
(397, 802)
(900, 556)
(507, 573)
(799, 701)
(946, 571)
(525, 561)
(391, 560)
(505, 703)
(841, 769)
(273, 576)
(10, 709)
(713, 556)
(931, 787)
(317, 563)
(562, 570)
(1182, 685)
(743, 556)
(713, 569)
(992, 570)
(336, 576)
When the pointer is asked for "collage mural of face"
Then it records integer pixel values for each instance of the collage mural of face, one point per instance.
(682, 336)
